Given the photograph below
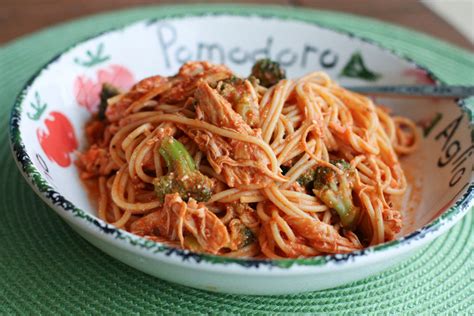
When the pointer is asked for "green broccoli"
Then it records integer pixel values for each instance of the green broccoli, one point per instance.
(335, 191)
(307, 178)
(235, 90)
(249, 237)
(183, 176)
(108, 91)
(268, 72)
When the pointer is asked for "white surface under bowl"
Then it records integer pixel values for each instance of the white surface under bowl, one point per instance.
(49, 115)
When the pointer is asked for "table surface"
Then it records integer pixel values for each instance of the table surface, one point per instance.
(20, 17)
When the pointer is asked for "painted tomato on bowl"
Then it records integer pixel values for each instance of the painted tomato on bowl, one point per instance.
(57, 139)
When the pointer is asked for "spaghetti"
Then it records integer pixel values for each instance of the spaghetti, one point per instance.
(213, 163)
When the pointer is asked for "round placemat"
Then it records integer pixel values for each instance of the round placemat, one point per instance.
(45, 267)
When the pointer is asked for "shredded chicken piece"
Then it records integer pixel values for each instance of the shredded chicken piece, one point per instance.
(322, 237)
(243, 98)
(95, 162)
(166, 90)
(392, 223)
(177, 219)
(185, 82)
(145, 89)
(240, 163)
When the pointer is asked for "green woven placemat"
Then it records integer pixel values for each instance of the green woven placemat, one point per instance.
(46, 267)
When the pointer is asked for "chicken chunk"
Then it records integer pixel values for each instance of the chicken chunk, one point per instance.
(241, 163)
(321, 236)
(178, 220)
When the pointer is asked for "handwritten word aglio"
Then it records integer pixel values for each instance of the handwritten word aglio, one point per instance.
(453, 152)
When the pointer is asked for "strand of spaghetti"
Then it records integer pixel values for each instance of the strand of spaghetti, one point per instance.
(297, 151)
(298, 170)
(311, 109)
(278, 239)
(397, 173)
(222, 195)
(264, 103)
(261, 212)
(116, 212)
(135, 161)
(386, 172)
(278, 134)
(358, 105)
(138, 104)
(386, 123)
(131, 148)
(121, 134)
(378, 181)
(317, 77)
(311, 208)
(280, 95)
(282, 202)
(102, 198)
(402, 148)
(135, 133)
(313, 156)
(120, 181)
(322, 113)
(327, 217)
(169, 108)
(232, 197)
(364, 198)
(289, 144)
(287, 124)
(123, 220)
(252, 198)
(120, 222)
(379, 219)
(387, 153)
(267, 245)
(295, 119)
(293, 113)
(290, 108)
(138, 164)
(145, 150)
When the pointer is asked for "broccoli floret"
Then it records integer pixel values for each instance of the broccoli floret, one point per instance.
(108, 91)
(307, 178)
(268, 72)
(335, 190)
(235, 90)
(249, 237)
(183, 176)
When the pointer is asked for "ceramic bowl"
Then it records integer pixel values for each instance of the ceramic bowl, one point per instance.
(50, 112)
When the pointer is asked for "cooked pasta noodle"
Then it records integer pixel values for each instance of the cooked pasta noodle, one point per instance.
(213, 163)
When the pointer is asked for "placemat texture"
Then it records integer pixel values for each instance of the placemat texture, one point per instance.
(45, 267)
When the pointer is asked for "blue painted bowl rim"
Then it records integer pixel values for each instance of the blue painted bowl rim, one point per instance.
(55, 199)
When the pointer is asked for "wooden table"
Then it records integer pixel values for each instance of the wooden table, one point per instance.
(20, 17)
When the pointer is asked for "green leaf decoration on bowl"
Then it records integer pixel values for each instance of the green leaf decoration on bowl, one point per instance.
(38, 106)
(356, 68)
(93, 58)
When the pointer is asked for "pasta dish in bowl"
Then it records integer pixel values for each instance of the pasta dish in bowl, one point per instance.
(262, 166)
